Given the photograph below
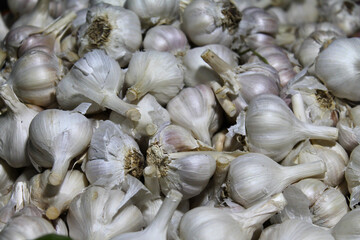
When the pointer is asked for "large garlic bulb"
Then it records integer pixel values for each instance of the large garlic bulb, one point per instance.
(112, 155)
(272, 128)
(99, 213)
(254, 176)
(55, 138)
(337, 67)
(113, 29)
(352, 175)
(146, 74)
(14, 126)
(196, 109)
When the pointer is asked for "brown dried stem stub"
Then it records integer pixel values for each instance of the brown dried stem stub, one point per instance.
(325, 99)
(232, 17)
(156, 156)
(99, 31)
(134, 163)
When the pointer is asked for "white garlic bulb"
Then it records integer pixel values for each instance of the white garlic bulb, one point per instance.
(165, 38)
(312, 188)
(98, 79)
(270, 125)
(352, 175)
(348, 227)
(98, 213)
(215, 223)
(56, 199)
(154, 12)
(340, 76)
(55, 138)
(196, 109)
(14, 125)
(158, 227)
(271, 178)
(197, 71)
(146, 74)
(112, 155)
(113, 29)
(211, 22)
(34, 77)
(295, 230)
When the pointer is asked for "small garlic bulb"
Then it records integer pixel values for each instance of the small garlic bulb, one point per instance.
(271, 178)
(270, 127)
(14, 125)
(165, 38)
(56, 199)
(154, 12)
(348, 227)
(295, 229)
(99, 213)
(340, 76)
(34, 77)
(146, 74)
(352, 175)
(55, 138)
(112, 155)
(113, 29)
(196, 109)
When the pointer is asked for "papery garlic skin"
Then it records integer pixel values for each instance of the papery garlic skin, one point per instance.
(55, 138)
(312, 188)
(153, 12)
(352, 176)
(113, 29)
(112, 155)
(146, 74)
(96, 214)
(340, 76)
(348, 227)
(7, 178)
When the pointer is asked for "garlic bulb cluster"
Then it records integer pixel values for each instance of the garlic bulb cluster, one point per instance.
(113, 29)
(55, 138)
(146, 74)
(271, 178)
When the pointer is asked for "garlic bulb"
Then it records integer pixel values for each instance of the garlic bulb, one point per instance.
(271, 178)
(257, 20)
(270, 127)
(196, 109)
(211, 22)
(165, 38)
(348, 227)
(340, 77)
(300, 12)
(158, 227)
(146, 74)
(26, 227)
(95, 78)
(113, 29)
(55, 138)
(189, 174)
(56, 199)
(35, 76)
(154, 12)
(214, 223)
(295, 230)
(197, 71)
(112, 155)
(98, 213)
(312, 188)
(352, 175)
(14, 125)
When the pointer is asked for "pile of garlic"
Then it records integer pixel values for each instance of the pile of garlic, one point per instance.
(180, 119)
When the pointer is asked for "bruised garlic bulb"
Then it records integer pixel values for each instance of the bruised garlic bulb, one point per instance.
(295, 229)
(158, 227)
(55, 138)
(154, 12)
(98, 79)
(165, 38)
(56, 199)
(339, 76)
(112, 155)
(196, 109)
(99, 213)
(113, 29)
(352, 175)
(146, 74)
(271, 178)
(14, 125)
(214, 223)
(34, 77)
(270, 127)
(348, 227)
